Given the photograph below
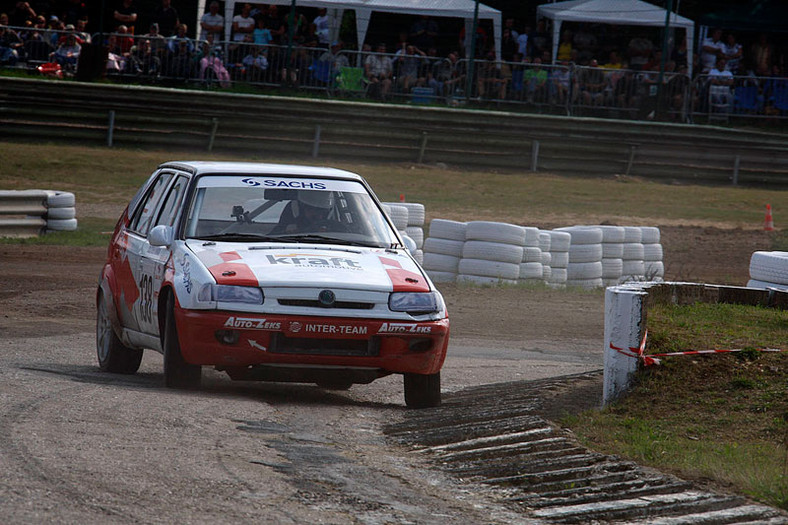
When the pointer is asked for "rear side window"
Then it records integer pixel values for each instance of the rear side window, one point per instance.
(172, 204)
(141, 222)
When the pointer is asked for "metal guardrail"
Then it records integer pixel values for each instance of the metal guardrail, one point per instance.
(50, 110)
(23, 213)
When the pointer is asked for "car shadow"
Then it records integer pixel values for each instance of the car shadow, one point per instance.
(214, 385)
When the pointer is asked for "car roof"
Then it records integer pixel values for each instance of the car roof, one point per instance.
(201, 167)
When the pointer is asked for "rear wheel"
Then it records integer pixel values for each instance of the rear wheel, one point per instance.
(177, 372)
(113, 356)
(422, 390)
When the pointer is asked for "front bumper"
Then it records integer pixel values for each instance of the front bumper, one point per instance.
(231, 341)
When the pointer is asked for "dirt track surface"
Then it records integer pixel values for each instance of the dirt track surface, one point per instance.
(79, 446)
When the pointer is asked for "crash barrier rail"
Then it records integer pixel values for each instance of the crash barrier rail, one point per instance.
(28, 213)
(626, 310)
(283, 127)
(415, 78)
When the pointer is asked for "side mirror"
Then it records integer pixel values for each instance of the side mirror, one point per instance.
(410, 244)
(161, 235)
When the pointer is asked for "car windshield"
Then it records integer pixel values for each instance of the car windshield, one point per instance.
(286, 209)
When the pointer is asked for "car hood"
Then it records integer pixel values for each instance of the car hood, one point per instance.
(310, 266)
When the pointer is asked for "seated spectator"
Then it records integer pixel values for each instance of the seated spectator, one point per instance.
(116, 62)
(378, 70)
(536, 82)
(448, 75)
(592, 84)
(180, 61)
(158, 44)
(639, 50)
(493, 78)
(144, 61)
(560, 83)
(720, 83)
(67, 54)
(334, 57)
(408, 66)
(124, 41)
(11, 45)
(211, 64)
(255, 64)
(83, 37)
(175, 42)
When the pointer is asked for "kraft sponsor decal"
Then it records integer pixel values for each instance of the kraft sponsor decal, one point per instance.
(249, 323)
(311, 261)
(404, 328)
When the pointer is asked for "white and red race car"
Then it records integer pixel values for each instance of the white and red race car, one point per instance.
(268, 272)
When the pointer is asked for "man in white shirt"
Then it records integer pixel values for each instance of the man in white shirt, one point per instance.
(322, 28)
(212, 22)
(720, 84)
(712, 49)
(243, 24)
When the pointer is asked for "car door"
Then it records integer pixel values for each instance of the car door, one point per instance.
(137, 288)
(154, 258)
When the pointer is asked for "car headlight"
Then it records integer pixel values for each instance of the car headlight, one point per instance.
(230, 294)
(415, 303)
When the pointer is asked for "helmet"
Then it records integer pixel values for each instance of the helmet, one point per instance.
(316, 198)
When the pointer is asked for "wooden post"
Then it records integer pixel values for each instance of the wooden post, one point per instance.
(422, 147)
(316, 143)
(214, 127)
(631, 160)
(110, 127)
(534, 155)
(736, 163)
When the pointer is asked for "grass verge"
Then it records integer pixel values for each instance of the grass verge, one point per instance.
(720, 418)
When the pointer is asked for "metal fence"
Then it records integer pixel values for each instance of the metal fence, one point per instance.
(407, 76)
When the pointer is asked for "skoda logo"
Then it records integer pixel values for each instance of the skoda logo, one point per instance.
(326, 298)
(250, 182)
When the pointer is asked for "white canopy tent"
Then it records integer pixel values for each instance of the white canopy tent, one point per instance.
(613, 12)
(363, 8)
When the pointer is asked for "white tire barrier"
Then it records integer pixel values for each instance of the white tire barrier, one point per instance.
(582, 253)
(633, 251)
(483, 268)
(481, 280)
(584, 271)
(64, 225)
(442, 277)
(587, 284)
(560, 241)
(60, 199)
(399, 216)
(532, 254)
(633, 270)
(417, 234)
(531, 237)
(419, 256)
(653, 270)
(446, 229)
(557, 276)
(443, 246)
(547, 272)
(652, 252)
(559, 259)
(441, 263)
(754, 283)
(612, 234)
(416, 213)
(584, 234)
(61, 213)
(495, 232)
(545, 241)
(531, 271)
(612, 269)
(492, 251)
(649, 235)
(769, 267)
(612, 250)
(633, 234)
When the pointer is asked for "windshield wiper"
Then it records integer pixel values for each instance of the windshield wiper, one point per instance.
(326, 239)
(234, 236)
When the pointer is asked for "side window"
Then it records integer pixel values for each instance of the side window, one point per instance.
(173, 202)
(144, 214)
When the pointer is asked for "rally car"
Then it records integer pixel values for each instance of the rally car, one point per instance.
(268, 272)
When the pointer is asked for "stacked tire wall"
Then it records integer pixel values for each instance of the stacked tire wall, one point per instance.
(769, 270)
(578, 256)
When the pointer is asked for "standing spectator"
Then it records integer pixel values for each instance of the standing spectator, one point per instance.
(508, 45)
(81, 31)
(378, 70)
(261, 34)
(762, 56)
(639, 50)
(585, 42)
(167, 17)
(158, 44)
(565, 47)
(243, 23)
(275, 24)
(522, 42)
(721, 82)
(73, 11)
(540, 40)
(423, 32)
(712, 49)
(732, 51)
(21, 14)
(212, 23)
(322, 28)
(126, 15)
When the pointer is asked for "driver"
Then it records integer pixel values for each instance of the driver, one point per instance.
(308, 213)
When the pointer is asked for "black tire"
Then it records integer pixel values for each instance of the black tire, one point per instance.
(422, 390)
(177, 372)
(113, 356)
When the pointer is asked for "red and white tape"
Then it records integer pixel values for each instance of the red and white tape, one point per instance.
(652, 359)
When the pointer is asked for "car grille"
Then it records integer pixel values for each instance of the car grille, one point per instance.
(311, 303)
(281, 344)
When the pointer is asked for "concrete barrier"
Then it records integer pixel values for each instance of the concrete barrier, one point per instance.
(626, 310)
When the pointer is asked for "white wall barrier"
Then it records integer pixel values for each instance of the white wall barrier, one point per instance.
(28, 213)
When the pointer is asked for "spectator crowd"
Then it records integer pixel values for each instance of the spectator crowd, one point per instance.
(595, 65)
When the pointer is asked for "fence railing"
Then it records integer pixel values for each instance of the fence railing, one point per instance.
(408, 76)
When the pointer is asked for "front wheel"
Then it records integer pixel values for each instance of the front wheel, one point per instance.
(177, 372)
(113, 356)
(422, 390)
